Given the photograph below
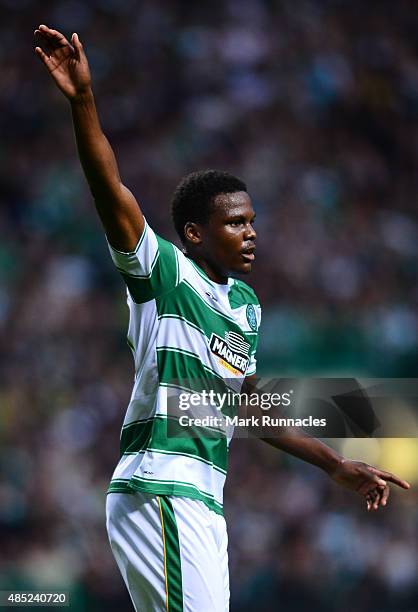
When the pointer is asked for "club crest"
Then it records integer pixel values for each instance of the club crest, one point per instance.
(251, 317)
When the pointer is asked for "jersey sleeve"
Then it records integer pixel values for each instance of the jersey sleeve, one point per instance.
(252, 365)
(151, 270)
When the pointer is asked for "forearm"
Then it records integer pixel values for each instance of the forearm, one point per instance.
(117, 207)
(292, 440)
(95, 153)
(295, 442)
(115, 204)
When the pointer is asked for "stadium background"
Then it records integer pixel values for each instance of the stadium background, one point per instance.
(315, 105)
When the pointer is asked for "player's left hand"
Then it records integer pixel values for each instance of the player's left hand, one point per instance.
(368, 481)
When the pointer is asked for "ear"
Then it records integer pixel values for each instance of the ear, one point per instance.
(192, 233)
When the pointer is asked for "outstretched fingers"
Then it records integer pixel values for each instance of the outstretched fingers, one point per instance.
(55, 38)
(52, 47)
(43, 42)
(53, 43)
(391, 478)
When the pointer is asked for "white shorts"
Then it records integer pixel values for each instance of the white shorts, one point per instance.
(171, 552)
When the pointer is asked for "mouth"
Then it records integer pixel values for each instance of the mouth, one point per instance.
(248, 254)
(248, 257)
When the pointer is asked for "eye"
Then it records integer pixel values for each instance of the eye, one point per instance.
(235, 223)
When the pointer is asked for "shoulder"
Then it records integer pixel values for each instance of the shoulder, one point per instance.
(244, 293)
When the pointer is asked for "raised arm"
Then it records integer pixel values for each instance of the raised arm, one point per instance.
(68, 66)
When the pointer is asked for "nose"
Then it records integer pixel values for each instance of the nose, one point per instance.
(250, 233)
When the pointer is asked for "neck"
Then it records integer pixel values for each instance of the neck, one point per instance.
(209, 270)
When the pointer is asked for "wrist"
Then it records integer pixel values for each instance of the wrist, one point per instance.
(82, 97)
(333, 463)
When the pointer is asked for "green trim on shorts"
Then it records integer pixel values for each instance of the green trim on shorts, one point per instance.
(171, 488)
(172, 560)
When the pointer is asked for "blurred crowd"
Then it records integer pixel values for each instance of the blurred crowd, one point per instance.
(315, 105)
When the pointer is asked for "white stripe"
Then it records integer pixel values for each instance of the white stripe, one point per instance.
(145, 407)
(240, 315)
(222, 313)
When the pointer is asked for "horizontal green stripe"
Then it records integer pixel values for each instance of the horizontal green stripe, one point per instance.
(176, 454)
(136, 437)
(167, 436)
(184, 303)
(202, 370)
(185, 372)
(175, 366)
(182, 371)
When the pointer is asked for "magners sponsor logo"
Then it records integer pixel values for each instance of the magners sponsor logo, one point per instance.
(232, 351)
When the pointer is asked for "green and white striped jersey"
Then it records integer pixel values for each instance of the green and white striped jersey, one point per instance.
(182, 327)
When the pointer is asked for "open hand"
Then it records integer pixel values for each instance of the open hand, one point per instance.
(368, 481)
(66, 62)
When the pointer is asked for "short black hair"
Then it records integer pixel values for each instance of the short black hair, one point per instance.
(194, 196)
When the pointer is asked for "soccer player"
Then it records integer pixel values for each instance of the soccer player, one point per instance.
(189, 319)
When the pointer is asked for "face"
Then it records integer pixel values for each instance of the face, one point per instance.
(226, 244)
